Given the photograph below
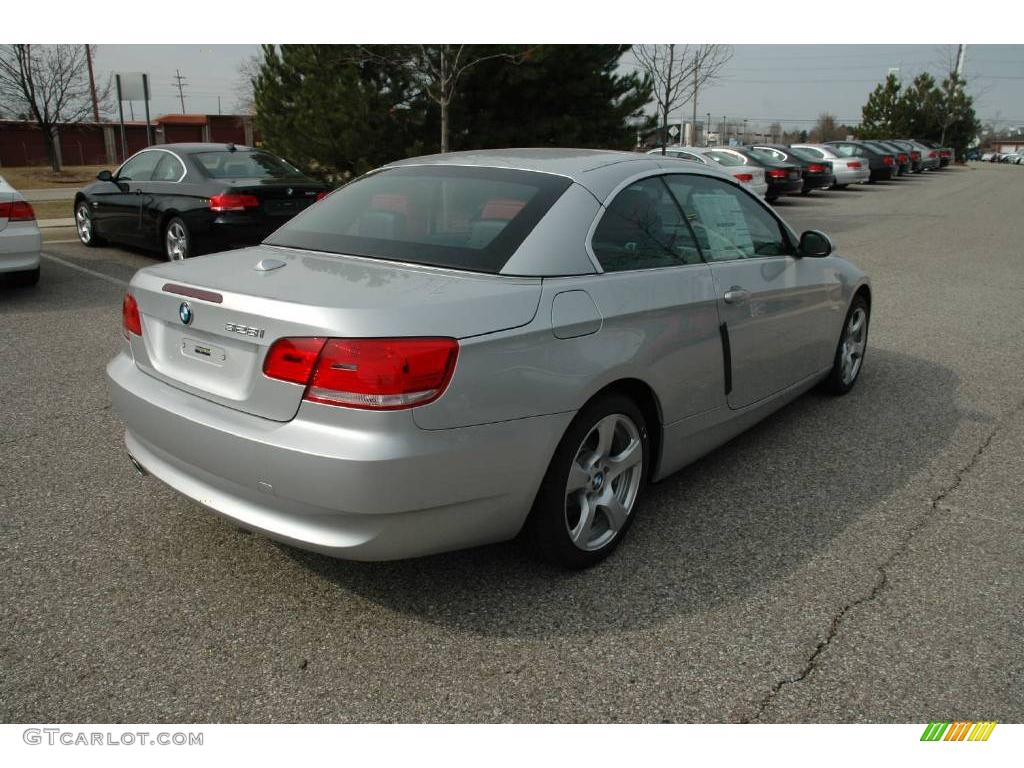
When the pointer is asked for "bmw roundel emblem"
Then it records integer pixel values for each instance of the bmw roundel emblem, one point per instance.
(185, 313)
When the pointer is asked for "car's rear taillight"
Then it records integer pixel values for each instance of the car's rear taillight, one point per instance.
(932, 154)
(230, 201)
(778, 173)
(944, 152)
(293, 360)
(744, 177)
(853, 164)
(322, 194)
(816, 168)
(19, 210)
(902, 159)
(915, 155)
(130, 318)
(375, 374)
(887, 160)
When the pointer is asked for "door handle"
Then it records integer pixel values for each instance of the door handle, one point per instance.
(736, 295)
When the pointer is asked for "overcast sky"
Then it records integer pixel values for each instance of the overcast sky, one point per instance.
(790, 84)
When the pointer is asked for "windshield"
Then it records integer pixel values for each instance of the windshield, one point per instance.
(447, 216)
(244, 164)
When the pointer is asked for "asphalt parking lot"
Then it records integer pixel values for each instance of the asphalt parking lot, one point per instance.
(857, 559)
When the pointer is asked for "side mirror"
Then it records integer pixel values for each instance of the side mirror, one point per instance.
(815, 243)
(104, 176)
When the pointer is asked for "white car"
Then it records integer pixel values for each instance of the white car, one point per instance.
(750, 176)
(848, 170)
(20, 239)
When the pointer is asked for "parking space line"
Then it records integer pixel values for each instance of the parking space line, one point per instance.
(86, 270)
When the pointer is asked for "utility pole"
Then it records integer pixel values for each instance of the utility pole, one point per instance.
(92, 84)
(180, 85)
(961, 53)
(707, 130)
(218, 105)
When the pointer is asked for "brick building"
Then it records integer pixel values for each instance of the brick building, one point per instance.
(21, 142)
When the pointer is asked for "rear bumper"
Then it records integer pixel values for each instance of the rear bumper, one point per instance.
(852, 175)
(785, 188)
(882, 174)
(818, 182)
(20, 244)
(354, 493)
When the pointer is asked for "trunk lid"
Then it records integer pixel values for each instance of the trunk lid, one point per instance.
(278, 197)
(236, 311)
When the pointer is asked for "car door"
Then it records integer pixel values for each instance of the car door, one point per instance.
(121, 210)
(776, 308)
(657, 300)
(162, 192)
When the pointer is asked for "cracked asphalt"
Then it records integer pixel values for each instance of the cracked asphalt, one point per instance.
(847, 560)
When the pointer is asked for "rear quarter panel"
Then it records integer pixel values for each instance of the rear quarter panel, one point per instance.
(659, 326)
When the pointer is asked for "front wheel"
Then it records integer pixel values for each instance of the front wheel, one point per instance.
(585, 503)
(177, 240)
(86, 225)
(853, 344)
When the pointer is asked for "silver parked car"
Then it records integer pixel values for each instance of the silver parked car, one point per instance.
(848, 170)
(456, 348)
(750, 175)
(20, 239)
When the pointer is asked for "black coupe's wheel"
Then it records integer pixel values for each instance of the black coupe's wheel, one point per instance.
(853, 344)
(177, 240)
(86, 225)
(585, 503)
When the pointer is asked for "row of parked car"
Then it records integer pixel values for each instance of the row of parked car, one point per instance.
(774, 170)
(1013, 158)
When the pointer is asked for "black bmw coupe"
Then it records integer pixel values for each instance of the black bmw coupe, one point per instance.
(188, 199)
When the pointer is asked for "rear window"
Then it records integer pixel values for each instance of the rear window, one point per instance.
(727, 158)
(446, 216)
(766, 155)
(805, 154)
(244, 164)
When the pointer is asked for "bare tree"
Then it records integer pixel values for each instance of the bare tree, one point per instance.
(775, 133)
(49, 84)
(668, 68)
(245, 98)
(436, 70)
(827, 129)
(706, 64)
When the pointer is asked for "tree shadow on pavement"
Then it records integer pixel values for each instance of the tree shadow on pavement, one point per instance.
(751, 512)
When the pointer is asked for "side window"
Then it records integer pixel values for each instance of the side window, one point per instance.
(845, 150)
(729, 224)
(140, 167)
(813, 151)
(168, 169)
(642, 228)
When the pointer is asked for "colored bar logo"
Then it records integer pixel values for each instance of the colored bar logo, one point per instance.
(960, 730)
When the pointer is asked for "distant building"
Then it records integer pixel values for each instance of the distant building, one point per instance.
(21, 141)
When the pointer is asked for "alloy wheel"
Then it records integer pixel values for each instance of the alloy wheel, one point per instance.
(854, 342)
(604, 481)
(83, 222)
(176, 241)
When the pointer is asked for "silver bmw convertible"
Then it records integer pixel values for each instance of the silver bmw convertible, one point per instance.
(456, 349)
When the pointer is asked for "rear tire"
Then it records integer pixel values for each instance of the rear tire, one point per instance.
(586, 502)
(178, 243)
(853, 345)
